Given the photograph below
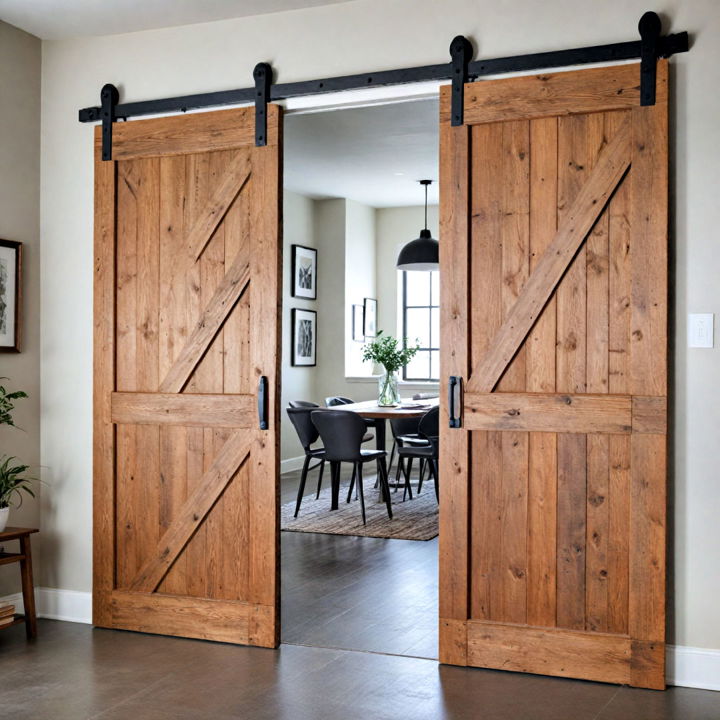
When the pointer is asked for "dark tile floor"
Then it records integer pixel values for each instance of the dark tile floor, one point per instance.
(358, 593)
(73, 672)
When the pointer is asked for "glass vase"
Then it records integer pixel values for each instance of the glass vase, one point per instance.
(388, 390)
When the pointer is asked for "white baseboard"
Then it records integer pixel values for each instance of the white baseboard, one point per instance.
(693, 667)
(686, 666)
(291, 464)
(67, 605)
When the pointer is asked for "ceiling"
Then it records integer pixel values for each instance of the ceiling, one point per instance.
(55, 19)
(373, 155)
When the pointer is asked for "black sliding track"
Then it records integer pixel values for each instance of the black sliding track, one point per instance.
(460, 69)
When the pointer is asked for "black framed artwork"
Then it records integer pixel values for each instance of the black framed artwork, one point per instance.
(10, 295)
(304, 337)
(304, 272)
(370, 317)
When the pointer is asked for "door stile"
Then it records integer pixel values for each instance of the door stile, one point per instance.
(455, 460)
(104, 374)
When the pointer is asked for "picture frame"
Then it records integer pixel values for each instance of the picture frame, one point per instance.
(304, 272)
(370, 317)
(358, 323)
(304, 338)
(10, 295)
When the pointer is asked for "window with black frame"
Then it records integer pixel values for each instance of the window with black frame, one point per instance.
(421, 323)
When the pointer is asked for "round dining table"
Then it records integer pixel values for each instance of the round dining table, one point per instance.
(371, 410)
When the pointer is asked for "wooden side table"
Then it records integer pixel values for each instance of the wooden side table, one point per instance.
(24, 557)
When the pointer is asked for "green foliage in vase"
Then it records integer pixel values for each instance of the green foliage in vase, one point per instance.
(13, 481)
(387, 351)
(7, 405)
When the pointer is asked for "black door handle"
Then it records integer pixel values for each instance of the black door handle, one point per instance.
(263, 402)
(455, 401)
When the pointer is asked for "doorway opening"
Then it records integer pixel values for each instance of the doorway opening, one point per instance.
(352, 200)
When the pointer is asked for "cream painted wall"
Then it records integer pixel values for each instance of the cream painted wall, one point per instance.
(394, 228)
(20, 60)
(298, 383)
(350, 38)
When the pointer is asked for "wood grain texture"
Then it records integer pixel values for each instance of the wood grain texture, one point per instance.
(454, 327)
(573, 229)
(207, 327)
(200, 618)
(649, 414)
(193, 512)
(549, 412)
(185, 134)
(555, 94)
(564, 653)
(104, 384)
(188, 410)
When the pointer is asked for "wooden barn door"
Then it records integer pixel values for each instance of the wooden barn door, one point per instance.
(554, 285)
(187, 294)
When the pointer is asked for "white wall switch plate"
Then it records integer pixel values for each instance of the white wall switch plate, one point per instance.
(700, 330)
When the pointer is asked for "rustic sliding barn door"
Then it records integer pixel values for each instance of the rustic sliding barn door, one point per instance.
(554, 285)
(187, 293)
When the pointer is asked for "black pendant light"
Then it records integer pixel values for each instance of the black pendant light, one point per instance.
(421, 253)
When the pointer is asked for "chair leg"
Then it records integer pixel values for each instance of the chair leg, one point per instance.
(400, 468)
(433, 467)
(320, 474)
(358, 473)
(352, 484)
(422, 474)
(408, 488)
(301, 489)
(385, 491)
(392, 455)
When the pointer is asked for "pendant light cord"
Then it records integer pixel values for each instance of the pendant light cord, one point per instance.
(426, 189)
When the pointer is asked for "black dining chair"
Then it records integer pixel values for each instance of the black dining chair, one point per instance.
(307, 434)
(404, 432)
(429, 429)
(342, 435)
(335, 400)
(302, 404)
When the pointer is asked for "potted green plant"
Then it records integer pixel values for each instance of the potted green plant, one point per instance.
(13, 481)
(387, 351)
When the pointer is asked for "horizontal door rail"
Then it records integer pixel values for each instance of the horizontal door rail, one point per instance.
(564, 413)
(189, 410)
(614, 52)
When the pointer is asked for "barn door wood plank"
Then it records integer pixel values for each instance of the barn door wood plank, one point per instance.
(235, 176)
(455, 461)
(193, 512)
(573, 229)
(104, 318)
(232, 287)
(540, 378)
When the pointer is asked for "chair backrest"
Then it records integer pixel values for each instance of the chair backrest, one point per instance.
(302, 404)
(404, 426)
(341, 432)
(429, 425)
(337, 400)
(303, 424)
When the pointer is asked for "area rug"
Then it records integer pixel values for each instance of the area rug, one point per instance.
(415, 519)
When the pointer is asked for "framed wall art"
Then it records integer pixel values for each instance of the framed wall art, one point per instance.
(10, 295)
(304, 272)
(370, 317)
(304, 337)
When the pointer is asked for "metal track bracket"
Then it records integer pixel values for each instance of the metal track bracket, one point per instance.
(109, 97)
(263, 79)
(649, 27)
(461, 54)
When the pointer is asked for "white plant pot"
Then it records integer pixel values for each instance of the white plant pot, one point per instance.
(4, 512)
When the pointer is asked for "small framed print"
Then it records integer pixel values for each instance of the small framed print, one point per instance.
(370, 317)
(304, 337)
(358, 323)
(10, 295)
(304, 272)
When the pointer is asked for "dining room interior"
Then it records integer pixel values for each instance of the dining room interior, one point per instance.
(360, 185)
